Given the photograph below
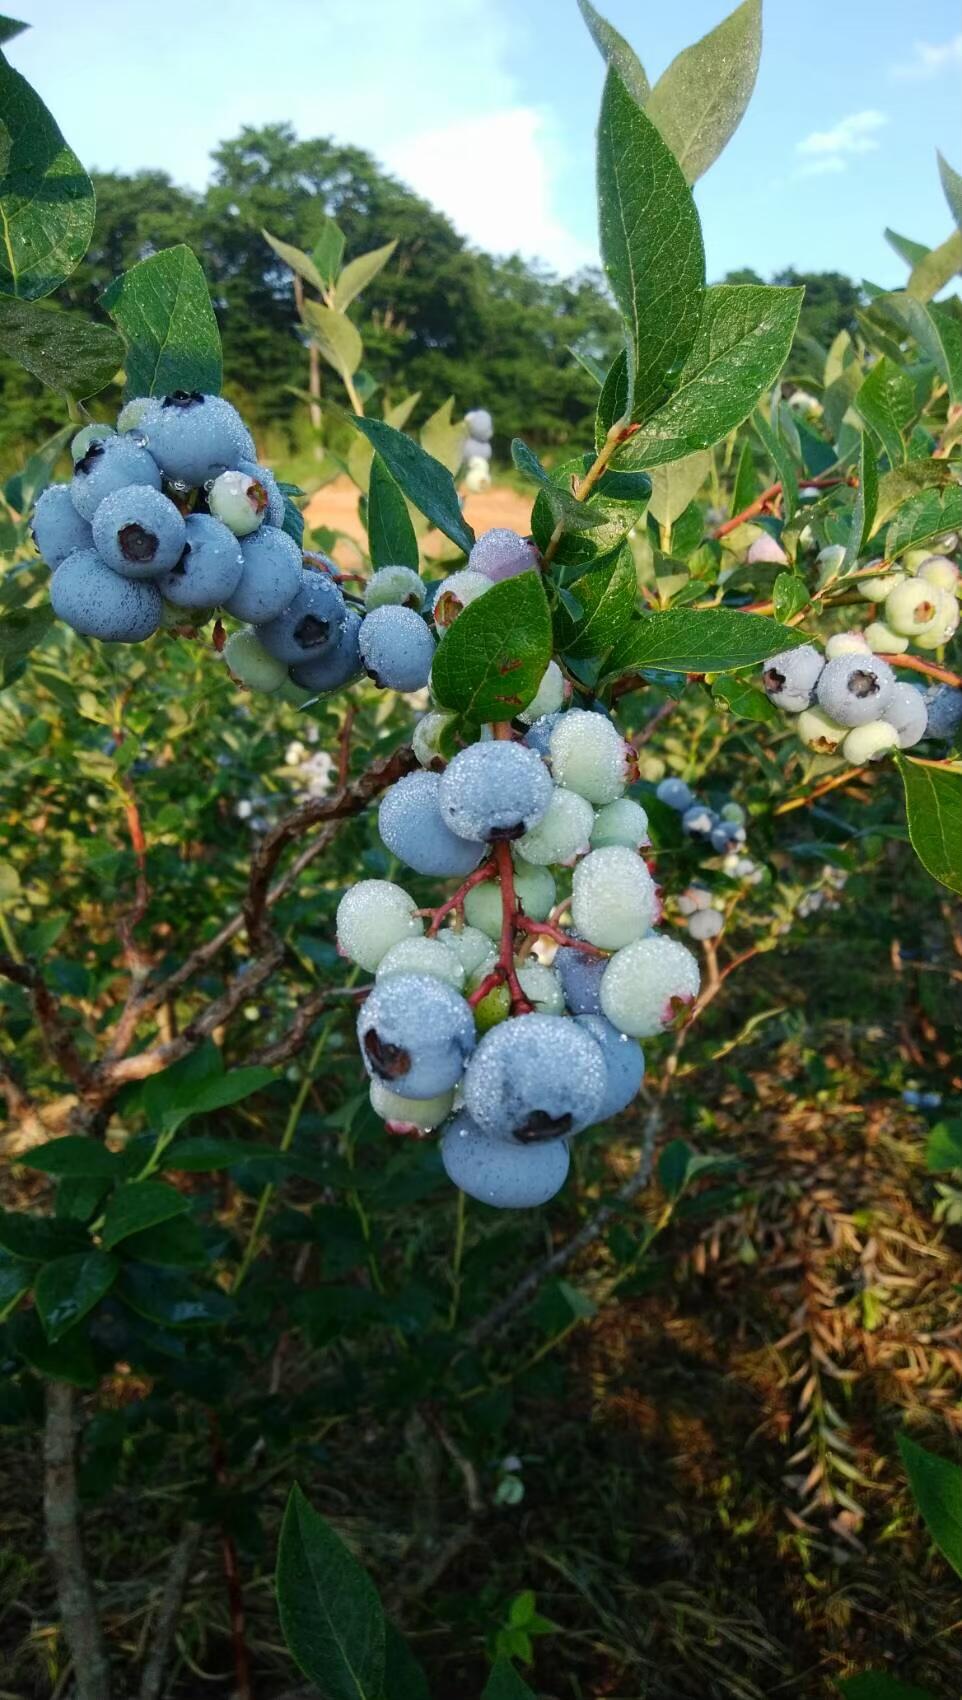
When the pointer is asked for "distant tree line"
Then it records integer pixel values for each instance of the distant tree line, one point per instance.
(442, 318)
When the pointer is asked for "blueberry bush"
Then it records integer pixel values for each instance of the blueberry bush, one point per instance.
(351, 916)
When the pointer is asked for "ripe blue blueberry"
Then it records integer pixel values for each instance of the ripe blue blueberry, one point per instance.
(706, 924)
(193, 437)
(580, 975)
(535, 1077)
(397, 648)
(139, 532)
(98, 602)
(309, 627)
(475, 448)
(209, 568)
(480, 424)
(790, 678)
(854, 689)
(906, 712)
(56, 526)
(501, 554)
(624, 1062)
(416, 1034)
(699, 821)
(336, 667)
(409, 821)
(538, 736)
(943, 705)
(270, 577)
(508, 1177)
(495, 790)
(108, 466)
(675, 794)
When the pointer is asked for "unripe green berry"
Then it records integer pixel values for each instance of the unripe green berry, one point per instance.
(877, 589)
(392, 587)
(249, 661)
(239, 501)
(819, 733)
(881, 639)
(549, 697)
(940, 571)
(869, 742)
(90, 434)
(424, 1113)
(910, 607)
(421, 956)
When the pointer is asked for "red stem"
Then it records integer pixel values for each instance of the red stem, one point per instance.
(487, 871)
(510, 917)
(917, 665)
(546, 930)
(761, 502)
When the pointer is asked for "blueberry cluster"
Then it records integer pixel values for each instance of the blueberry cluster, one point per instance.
(849, 699)
(489, 1019)
(476, 452)
(169, 518)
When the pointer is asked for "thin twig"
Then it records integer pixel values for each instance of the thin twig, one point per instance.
(75, 1596)
(168, 1613)
(49, 1020)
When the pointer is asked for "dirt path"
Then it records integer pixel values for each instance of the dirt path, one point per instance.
(336, 506)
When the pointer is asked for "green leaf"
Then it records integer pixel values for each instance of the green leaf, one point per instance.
(46, 197)
(72, 1155)
(337, 338)
(490, 662)
(863, 507)
(745, 701)
(443, 436)
(741, 346)
(789, 596)
(197, 1086)
(391, 538)
(297, 260)
(328, 252)
(15, 1280)
(699, 102)
(164, 1296)
(328, 1606)
(607, 597)
(952, 185)
(936, 330)
(403, 1677)
(588, 364)
(21, 631)
(175, 1244)
(37, 1239)
(676, 484)
(614, 400)
(907, 250)
(923, 518)
(425, 482)
(65, 351)
(707, 640)
(504, 1683)
(615, 50)
(886, 402)
(651, 247)
(10, 27)
(162, 309)
(933, 803)
(878, 1685)
(905, 482)
(357, 274)
(69, 1359)
(936, 1485)
(746, 480)
(138, 1205)
(943, 1148)
(937, 269)
(68, 1288)
(207, 1152)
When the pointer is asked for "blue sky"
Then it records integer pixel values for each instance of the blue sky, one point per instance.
(488, 107)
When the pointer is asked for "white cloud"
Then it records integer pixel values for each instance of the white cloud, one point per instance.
(929, 59)
(829, 151)
(491, 174)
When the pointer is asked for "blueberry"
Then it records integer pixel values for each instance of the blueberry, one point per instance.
(372, 916)
(270, 577)
(676, 794)
(423, 1113)
(475, 449)
(480, 424)
(427, 737)
(98, 602)
(854, 689)
(139, 532)
(397, 648)
(310, 625)
(870, 741)
(89, 434)
(642, 984)
(534, 1078)
(108, 466)
(580, 975)
(508, 1177)
(337, 667)
(209, 568)
(409, 821)
(502, 554)
(454, 594)
(549, 696)
(706, 924)
(422, 956)
(263, 476)
(239, 500)
(194, 437)
(906, 712)
(589, 755)
(250, 663)
(614, 899)
(563, 834)
(538, 736)
(497, 790)
(943, 705)
(394, 587)
(56, 526)
(416, 1034)
(624, 1064)
(621, 822)
(790, 678)
(699, 821)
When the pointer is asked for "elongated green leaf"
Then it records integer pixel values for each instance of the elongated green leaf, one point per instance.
(778, 453)
(616, 504)
(357, 274)
(708, 640)
(297, 260)
(504, 1683)
(10, 27)
(745, 700)
(72, 1155)
(46, 197)
(789, 596)
(878, 1685)
(328, 252)
(69, 1359)
(615, 50)
(936, 1485)
(490, 662)
(139, 1205)
(905, 482)
(391, 538)
(37, 1239)
(208, 1151)
(676, 484)
(933, 803)
(607, 598)
(588, 364)
(886, 402)
(328, 1606)
(699, 102)
(746, 480)
(564, 504)
(175, 1244)
(651, 246)
(172, 1299)
(863, 508)
(338, 340)
(936, 330)
(443, 437)
(923, 518)
(937, 269)
(614, 400)
(741, 346)
(425, 482)
(943, 1148)
(15, 1280)
(68, 1288)
(161, 307)
(64, 350)
(907, 250)
(952, 185)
